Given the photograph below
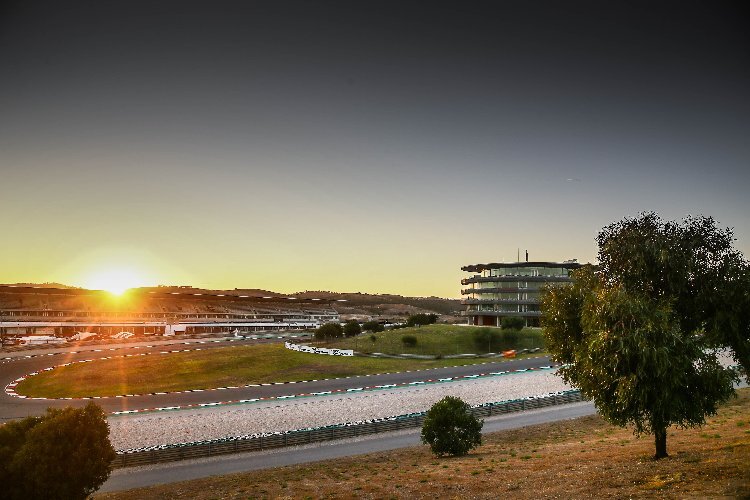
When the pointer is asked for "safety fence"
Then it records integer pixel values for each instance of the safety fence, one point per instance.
(264, 441)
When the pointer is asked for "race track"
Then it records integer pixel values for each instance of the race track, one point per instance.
(20, 365)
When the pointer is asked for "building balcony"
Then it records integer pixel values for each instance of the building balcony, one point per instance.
(526, 314)
(469, 291)
(516, 278)
(523, 302)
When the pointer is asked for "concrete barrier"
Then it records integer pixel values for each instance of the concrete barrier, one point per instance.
(318, 350)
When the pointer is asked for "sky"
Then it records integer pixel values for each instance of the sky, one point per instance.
(357, 146)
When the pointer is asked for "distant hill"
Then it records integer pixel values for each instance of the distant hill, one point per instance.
(53, 296)
(44, 285)
(387, 304)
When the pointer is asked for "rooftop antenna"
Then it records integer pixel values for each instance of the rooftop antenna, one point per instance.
(518, 255)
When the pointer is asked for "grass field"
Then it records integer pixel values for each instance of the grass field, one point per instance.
(443, 340)
(219, 367)
(582, 458)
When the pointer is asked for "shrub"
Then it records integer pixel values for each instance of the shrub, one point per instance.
(352, 328)
(512, 323)
(486, 339)
(373, 338)
(329, 331)
(372, 326)
(409, 340)
(450, 428)
(421, 319)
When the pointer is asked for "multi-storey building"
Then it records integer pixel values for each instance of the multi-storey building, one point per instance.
(498, 290)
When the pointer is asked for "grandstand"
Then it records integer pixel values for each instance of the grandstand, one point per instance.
(63, 312)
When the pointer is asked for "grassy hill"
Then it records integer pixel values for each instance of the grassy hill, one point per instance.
(440, 339)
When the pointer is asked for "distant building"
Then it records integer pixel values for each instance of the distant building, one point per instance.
(498, 290)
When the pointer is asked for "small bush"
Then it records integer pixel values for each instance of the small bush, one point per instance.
(373, 338)
(409, 340)
(372, 326)
(352, 328)
(450, 428)
(421, 319)
(486, 339)
(512, 323)
(329, 331)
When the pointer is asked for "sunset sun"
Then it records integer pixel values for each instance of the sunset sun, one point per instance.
(115, 281)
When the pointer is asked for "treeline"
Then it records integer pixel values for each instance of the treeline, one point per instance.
(351, 328)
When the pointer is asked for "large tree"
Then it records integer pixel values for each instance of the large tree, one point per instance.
(65, 454)
(635, 335)
(692, 265)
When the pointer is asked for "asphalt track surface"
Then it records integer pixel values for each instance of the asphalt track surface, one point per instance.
(13, 407)
(138, 477)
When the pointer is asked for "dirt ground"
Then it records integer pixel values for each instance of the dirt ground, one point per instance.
(583, 458)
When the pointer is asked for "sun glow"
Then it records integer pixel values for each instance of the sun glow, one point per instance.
(115, 281)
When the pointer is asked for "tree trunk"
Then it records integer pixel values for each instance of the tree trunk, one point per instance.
(660, 440)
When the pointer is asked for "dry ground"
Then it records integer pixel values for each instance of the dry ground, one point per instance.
(580, 458)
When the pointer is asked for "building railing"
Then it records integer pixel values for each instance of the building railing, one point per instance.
(522, 302)
(523, 314)
(515, 277)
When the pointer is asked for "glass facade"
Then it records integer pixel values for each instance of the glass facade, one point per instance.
(498, 290)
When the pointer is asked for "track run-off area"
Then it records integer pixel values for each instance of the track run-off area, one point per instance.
(18, 365)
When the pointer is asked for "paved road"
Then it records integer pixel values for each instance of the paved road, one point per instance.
(136, 477)
(13, 407)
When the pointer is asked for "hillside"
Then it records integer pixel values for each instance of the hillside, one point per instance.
(189, 299)
(581, 458)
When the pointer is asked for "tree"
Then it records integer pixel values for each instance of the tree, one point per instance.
(64, 454)
(329, 331)
(372, 326)
(693, 265)
(450, 427)
(513, 323)
(485, 338)
(409, 340)
(421, 319)
(352, 328)
(625, 335)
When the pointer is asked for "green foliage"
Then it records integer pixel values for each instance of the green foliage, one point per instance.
(692, 265)
(409, 340)
(373, 338)
(64, 454)
(450, 428)
(421, 319)
(372, 326)
(633, 335)
(512, 323)
(447, 339)
(329, 331)
(352, 328)
(485, 338)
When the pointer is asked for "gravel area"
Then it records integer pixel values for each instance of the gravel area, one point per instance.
(151, 429)
(170, 427)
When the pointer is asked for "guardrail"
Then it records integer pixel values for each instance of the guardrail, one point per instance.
(264, 441)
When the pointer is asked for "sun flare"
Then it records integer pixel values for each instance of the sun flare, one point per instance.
(115, 281)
